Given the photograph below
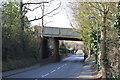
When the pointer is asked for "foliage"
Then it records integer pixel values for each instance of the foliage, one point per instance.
(113, 45)
(63, 49)
(93, 40)
(18, 46)
(117, 18)
(88, 31)
(116, 23)
(87, 26)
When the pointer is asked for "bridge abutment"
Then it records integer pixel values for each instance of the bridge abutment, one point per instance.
(45, 48)
(54, 47)
(56, 50)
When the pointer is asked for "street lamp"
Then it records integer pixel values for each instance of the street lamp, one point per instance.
(90, 16)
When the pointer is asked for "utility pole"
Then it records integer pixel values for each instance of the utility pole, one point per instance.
(22, 22)
(21, 16)
(42, 32)
(42, 29)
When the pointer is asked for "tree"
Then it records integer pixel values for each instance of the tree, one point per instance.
(86, 25)
(45, 10)
(115, 43)
(14, 53)
(103, 11)
(63, 49)
(24, 7)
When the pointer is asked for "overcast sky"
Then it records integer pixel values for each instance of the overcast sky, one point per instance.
(61, 19)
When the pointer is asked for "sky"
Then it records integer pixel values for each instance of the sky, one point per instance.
(61, 19)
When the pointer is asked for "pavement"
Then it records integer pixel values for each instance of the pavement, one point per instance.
(87, 71)
(69, 69)
(18, 71)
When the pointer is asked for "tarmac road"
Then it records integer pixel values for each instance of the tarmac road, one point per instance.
(63, 69)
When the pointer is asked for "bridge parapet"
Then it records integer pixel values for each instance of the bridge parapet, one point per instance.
(59, 32)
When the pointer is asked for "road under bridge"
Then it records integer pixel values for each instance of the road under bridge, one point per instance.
(51, 37)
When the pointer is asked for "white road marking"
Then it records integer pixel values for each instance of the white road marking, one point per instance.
(62, 66)
(58, 67)
(53, 71)
(42, 76)
(45, 75)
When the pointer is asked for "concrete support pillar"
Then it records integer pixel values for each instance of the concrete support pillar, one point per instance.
(56, 50)
(54, 46)
(44, 48)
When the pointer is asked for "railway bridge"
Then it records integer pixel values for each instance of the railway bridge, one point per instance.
(51, 37)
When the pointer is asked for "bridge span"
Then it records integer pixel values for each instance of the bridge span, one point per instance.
(60, 33)
(51, 37)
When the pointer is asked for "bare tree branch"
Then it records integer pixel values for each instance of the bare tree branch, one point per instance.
(71, 23)
(48, 22)
(32, 9)
(34, 3)
(36, 19)
(46, 13)
(53, 14)
(53, 9)
(95, 7)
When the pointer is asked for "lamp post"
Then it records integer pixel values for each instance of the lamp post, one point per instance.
(90, 16)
